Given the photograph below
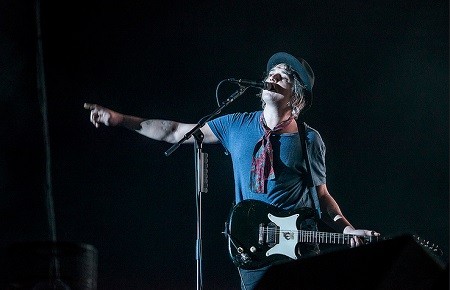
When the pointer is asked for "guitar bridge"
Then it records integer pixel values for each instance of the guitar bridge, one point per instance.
(268, 234)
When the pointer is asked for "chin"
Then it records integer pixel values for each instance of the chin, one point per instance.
(271, 96)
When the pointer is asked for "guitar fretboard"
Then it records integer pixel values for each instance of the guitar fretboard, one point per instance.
(324, 237)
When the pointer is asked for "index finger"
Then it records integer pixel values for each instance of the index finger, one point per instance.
(89, 106)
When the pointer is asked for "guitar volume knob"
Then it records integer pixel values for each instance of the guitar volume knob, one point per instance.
(252, 249)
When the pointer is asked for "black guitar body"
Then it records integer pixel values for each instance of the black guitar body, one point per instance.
(255, 240)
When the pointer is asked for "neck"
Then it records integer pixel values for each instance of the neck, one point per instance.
(274, 116)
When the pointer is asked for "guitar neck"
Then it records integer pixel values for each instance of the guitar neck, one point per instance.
(329, 238)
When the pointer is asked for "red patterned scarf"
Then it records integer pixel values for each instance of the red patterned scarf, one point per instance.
(262, 162)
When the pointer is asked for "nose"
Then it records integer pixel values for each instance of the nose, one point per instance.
(275, 78)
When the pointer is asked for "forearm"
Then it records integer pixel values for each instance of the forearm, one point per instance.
(332, 215)
(131, 122)
(160, 130)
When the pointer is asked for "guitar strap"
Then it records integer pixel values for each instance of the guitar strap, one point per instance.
(312, 189)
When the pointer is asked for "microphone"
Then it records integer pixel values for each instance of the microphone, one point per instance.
(253, 84)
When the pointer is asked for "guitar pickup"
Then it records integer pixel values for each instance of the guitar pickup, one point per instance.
(261, 234)
(268, 235)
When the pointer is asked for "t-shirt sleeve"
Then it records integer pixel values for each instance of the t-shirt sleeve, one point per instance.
(220, 126)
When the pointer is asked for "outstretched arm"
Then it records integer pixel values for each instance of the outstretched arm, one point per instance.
(156, 129)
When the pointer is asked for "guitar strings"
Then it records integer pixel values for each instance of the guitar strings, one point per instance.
(311, 236)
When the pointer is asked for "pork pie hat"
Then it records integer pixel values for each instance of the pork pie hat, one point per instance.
(301, 68)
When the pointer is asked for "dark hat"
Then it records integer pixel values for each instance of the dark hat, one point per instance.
(300, 66)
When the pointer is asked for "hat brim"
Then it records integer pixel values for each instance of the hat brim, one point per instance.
(300, 66)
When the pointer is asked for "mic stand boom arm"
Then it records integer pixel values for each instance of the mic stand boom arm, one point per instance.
(201, 178)
(203, 121)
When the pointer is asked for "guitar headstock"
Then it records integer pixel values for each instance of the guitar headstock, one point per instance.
(428, 245)
(433, 248)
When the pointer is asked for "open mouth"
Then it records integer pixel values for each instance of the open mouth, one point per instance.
(271, 87)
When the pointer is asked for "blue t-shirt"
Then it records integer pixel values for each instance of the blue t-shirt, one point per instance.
(239, 133)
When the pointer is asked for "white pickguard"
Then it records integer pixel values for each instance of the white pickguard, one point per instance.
(288, 238)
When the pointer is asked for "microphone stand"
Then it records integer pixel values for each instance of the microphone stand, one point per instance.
(201, 161)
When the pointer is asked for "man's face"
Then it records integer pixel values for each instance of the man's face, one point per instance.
(280, 85)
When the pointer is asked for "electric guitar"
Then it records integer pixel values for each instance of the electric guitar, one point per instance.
(259, 234)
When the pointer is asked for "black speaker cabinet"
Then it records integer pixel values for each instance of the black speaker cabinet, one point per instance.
(398, 263)
(49, 265)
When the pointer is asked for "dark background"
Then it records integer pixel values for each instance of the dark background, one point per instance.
(381, 106)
